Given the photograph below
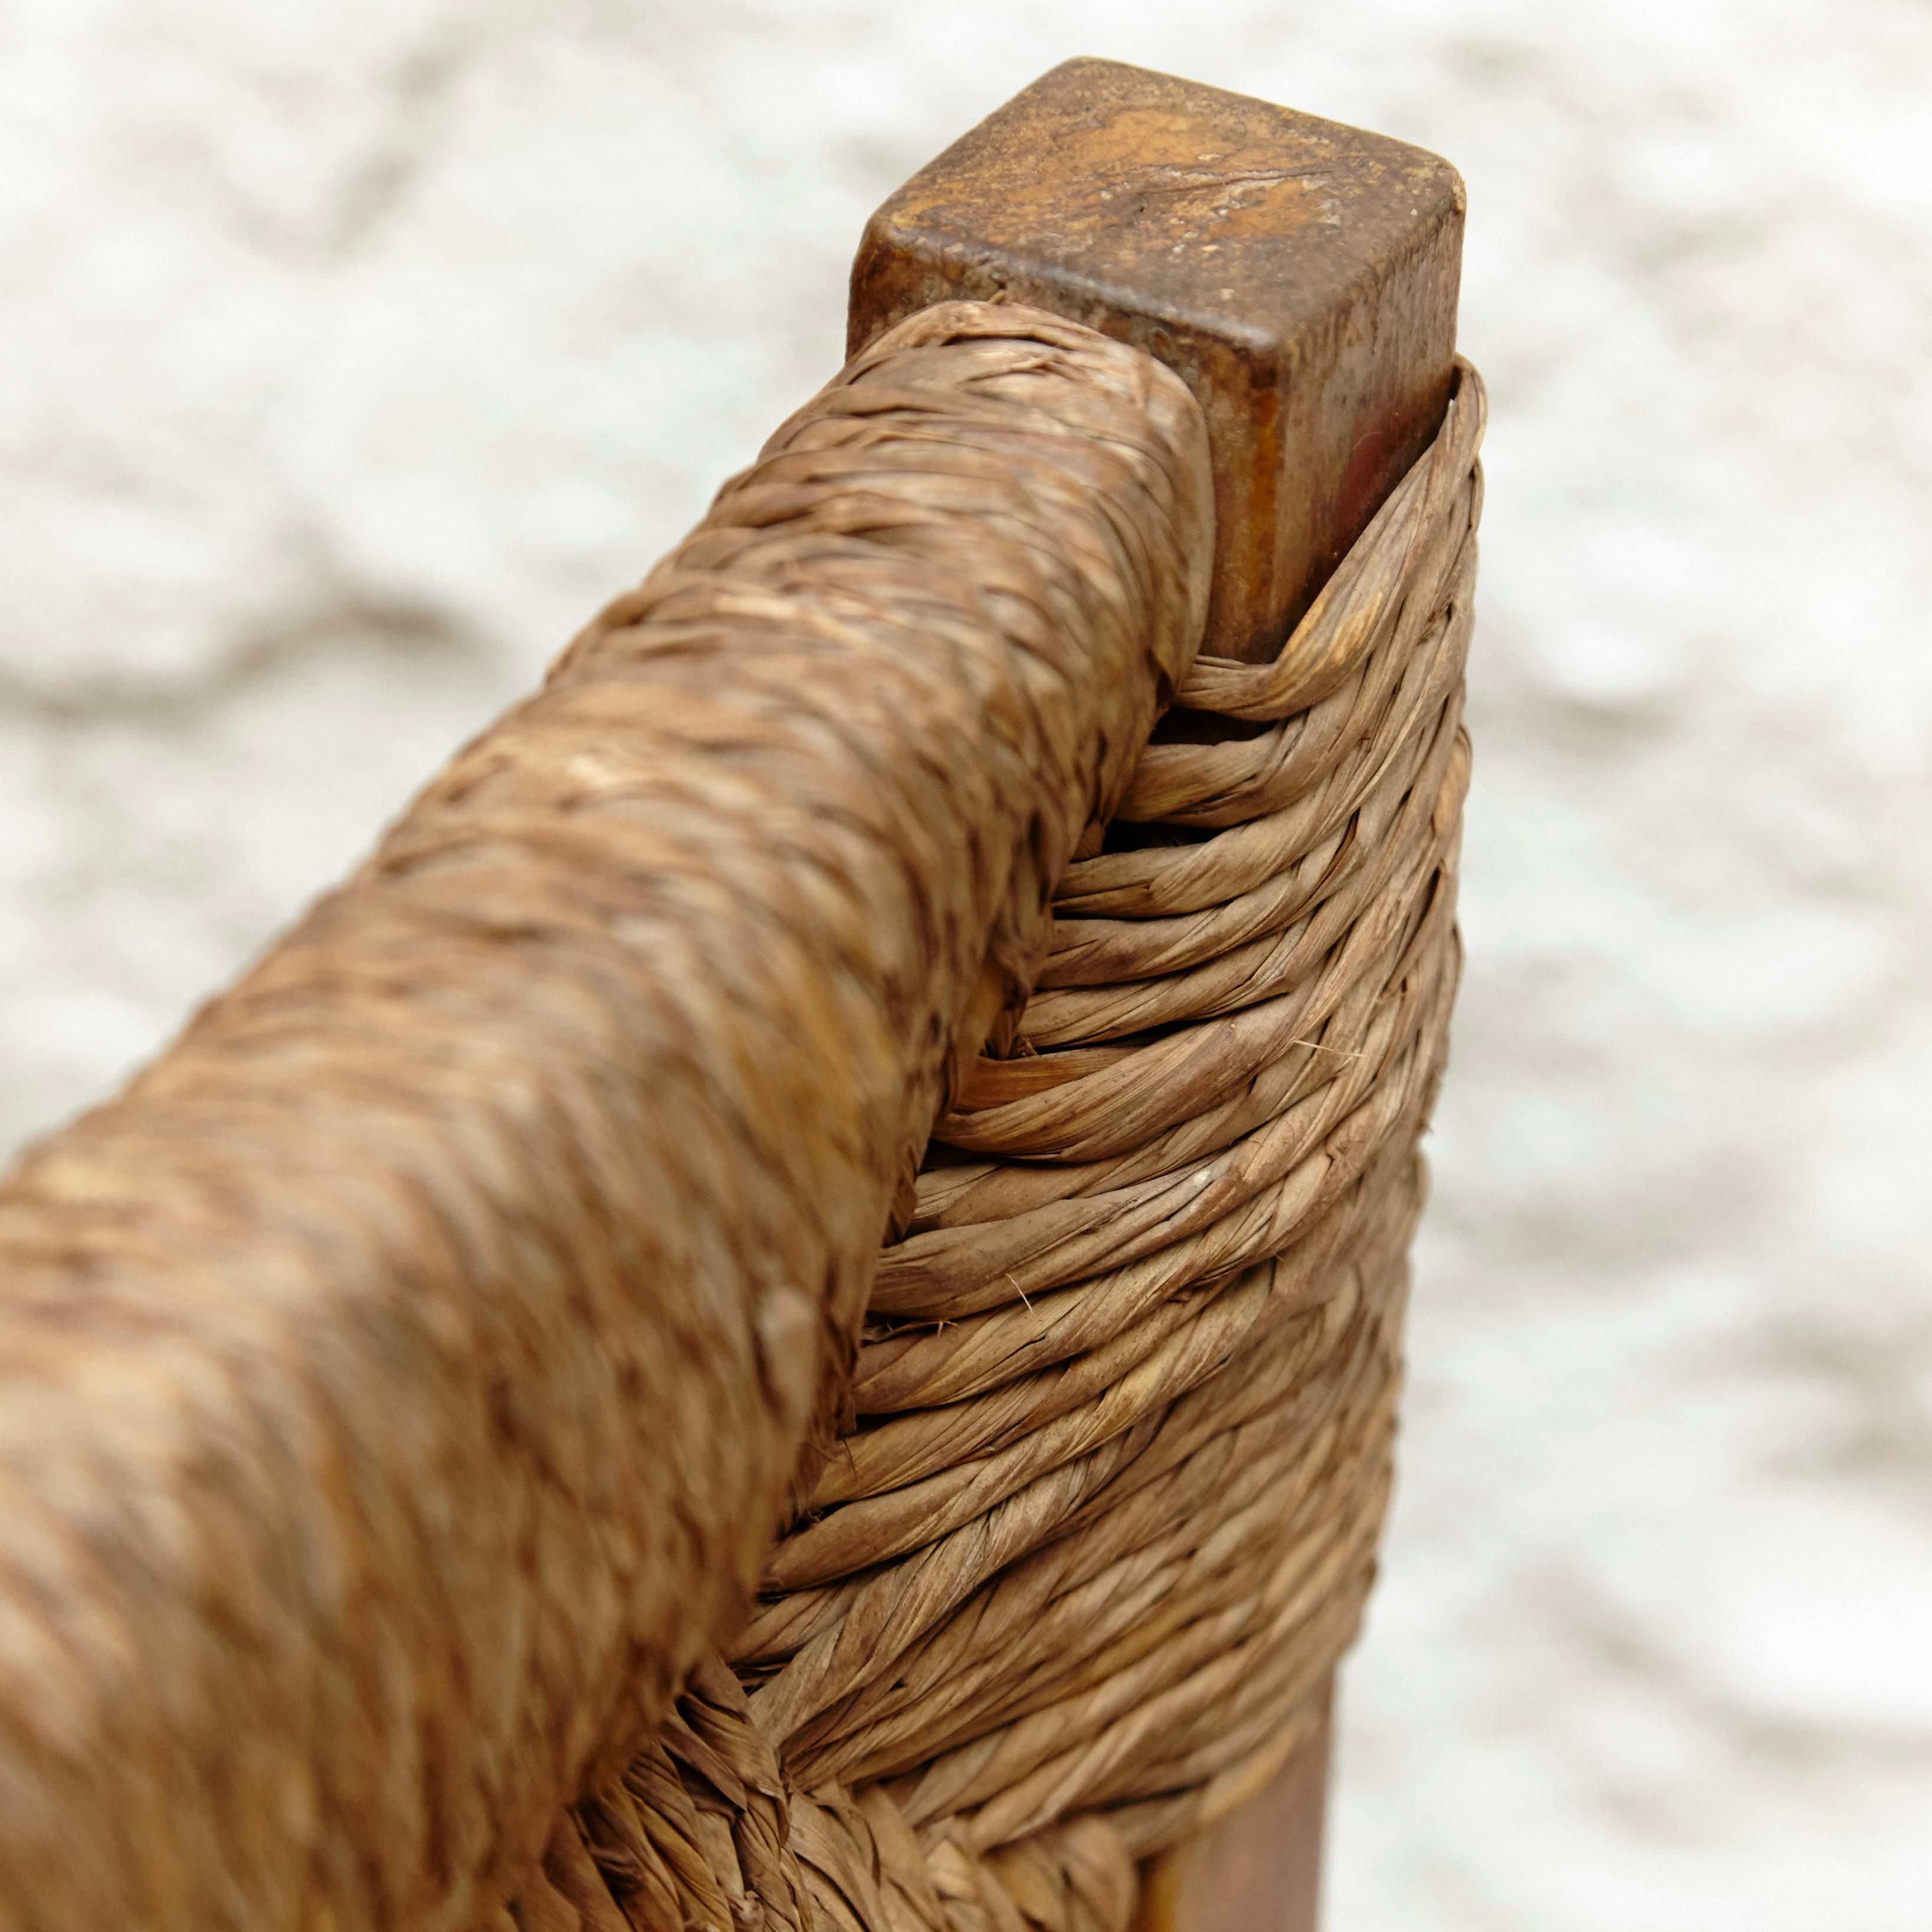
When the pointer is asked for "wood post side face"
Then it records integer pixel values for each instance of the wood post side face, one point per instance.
(1259, 1869)
(1300, 276)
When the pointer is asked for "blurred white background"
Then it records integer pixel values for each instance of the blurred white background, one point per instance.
(353, 352)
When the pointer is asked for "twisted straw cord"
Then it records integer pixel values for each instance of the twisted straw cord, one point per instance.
(1104, 1514)
(401, 1382)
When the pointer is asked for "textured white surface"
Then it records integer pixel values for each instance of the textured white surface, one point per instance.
(354, 352)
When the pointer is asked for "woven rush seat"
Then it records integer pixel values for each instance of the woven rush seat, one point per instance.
(405, 1376)
(1102, 1513)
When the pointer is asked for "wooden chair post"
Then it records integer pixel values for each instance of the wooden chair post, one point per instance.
(1302, 278)
(1259, 1869)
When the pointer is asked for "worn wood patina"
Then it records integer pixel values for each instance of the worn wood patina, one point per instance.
(1299, 275)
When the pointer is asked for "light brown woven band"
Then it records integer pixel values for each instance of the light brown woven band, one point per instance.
(1104, 1514)
(400, 1382)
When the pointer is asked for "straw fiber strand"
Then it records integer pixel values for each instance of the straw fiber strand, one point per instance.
(402, 1380)
(1104, 1514)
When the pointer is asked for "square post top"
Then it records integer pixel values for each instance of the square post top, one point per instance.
(1300, 275)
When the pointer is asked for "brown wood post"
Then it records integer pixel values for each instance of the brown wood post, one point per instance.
(1301, 277)
(1260, 1868)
